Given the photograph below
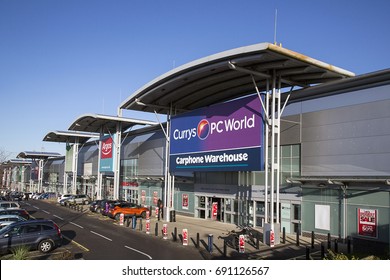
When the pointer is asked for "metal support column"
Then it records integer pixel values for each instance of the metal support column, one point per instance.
(117, 158)
(99, 173)
(75, 167)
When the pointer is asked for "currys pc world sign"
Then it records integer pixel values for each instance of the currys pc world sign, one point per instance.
(223, 137)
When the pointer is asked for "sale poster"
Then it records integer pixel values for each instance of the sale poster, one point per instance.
(184, 201)
(368, 222)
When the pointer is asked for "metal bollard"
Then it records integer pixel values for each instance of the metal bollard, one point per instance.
(197, 240)
(312, 239)
(297, 242)
(329, 241)
(127, 221)
(307, 253)
(224, 248)
(210, 243)
(322, 251)
(349, 245)
(175, 234)
(336, 246)
(134, 222)
(284, 235)
(156, 230)
(140, 224)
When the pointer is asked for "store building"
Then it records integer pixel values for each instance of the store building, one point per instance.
(333, 162)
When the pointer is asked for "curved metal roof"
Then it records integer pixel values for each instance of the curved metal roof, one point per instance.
(37, 155)
(69, 136)
(211, 79)
(94, 122)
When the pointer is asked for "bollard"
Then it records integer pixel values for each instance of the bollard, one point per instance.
(224, 248)
(156, 230)
(349, 245)
(197, 240)
(307, 253)
(165, 231)
(322, 251)
(134, 222)
(312, 239)
(185, 236)
(210, 243)
(284, 235)
(258, 241)
(329, 241)
(127, 221)
(297, 242)
(336, 246)
(175, 234)
(140, 224)
(147, 226)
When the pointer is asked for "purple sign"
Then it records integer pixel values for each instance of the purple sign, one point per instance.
(226, 136)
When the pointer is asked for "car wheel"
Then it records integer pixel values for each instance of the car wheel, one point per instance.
(45, 246)
(86, 202)
(117, 216)
(143, 215)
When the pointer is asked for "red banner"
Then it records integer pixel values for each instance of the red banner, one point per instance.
(368, 223)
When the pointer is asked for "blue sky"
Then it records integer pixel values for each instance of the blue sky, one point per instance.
(62, 59)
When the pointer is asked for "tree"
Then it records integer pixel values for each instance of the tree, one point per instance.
(4, 155)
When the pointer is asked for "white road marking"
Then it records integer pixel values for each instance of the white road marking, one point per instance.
(45, 211)
(58, 217)
(36, 207)
(101, 235)
(135, 250)
(76, 225)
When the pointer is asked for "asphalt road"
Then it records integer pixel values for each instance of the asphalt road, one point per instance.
(100, 238)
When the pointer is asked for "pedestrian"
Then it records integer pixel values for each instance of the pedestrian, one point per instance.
(160, 205)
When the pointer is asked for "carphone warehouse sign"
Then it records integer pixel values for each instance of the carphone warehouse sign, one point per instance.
(223, 137)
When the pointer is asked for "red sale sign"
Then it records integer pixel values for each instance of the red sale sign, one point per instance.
(241, 243)
(185, 236)
(215, 210)
(165, 231)
(368, 223)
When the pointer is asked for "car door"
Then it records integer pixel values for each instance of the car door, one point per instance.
(31, 234)
(11, 238)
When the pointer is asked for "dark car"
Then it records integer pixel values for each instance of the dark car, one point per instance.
(94, 205)
(42, 235)
(20, 212)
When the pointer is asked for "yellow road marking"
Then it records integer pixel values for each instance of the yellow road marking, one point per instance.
(76, 243)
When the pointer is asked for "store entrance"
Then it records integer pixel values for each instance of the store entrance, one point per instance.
(215, 208)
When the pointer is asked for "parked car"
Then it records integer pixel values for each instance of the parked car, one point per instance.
(36, 195)
(15, 218)
(42, 235)
(76, 199)
(111, 204)
(9, 205)
(20, 212)
(133, 210)
(47, 195)
(6, 220)
(6, 224)
(15, 196)
(94, 206)
(63, 196)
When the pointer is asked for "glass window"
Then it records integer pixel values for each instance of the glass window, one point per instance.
(228, 204)
(202, 202)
